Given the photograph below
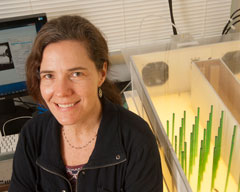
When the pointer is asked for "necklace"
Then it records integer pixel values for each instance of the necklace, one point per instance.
(79, 147)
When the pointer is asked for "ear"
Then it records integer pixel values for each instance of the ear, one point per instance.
(102, 74)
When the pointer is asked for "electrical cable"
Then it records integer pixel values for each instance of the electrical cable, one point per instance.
(232, 27)
(230, 20)
(172, 17)
(157, 16)
(234, 13)
(225, 28)
(236, 17)
(21, 117)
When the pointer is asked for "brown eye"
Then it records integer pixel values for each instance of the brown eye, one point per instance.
(76, 74)
(47, 76)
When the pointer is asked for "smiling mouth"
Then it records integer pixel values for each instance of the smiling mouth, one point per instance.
(66, 105)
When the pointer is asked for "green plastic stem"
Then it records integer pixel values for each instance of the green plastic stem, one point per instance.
(230, 158)
(184, 125)
(190, 157)
(176, 144)
(180, 143)
(185, 157)
(197, 126)
(173, 122)
(193, 143)
(200, 167)
(182, 160)
(215, 161)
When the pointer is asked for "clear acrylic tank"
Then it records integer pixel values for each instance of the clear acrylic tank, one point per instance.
(190, 97)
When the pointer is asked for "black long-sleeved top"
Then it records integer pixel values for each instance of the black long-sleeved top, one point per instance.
(125, 157)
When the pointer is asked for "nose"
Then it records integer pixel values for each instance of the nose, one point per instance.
(63, 88)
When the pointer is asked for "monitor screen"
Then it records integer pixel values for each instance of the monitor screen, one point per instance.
(16, 38)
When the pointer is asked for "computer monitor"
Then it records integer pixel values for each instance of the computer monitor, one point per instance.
(17, 35)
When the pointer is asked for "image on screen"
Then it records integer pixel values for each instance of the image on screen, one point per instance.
(6, 61)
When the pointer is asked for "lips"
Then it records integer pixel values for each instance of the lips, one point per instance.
(66, 105)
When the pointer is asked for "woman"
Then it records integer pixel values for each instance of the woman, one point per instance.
(87, 141)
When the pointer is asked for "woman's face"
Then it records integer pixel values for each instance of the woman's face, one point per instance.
(69, 82)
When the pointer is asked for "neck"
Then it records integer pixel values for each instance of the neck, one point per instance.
(87, 125)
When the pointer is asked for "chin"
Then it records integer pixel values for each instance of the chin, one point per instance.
(66, 121)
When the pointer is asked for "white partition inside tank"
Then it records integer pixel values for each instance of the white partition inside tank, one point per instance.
(212, 83)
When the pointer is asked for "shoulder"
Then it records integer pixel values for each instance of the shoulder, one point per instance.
(38, 125)
(135, 130)
(128, 118)
(40, 120)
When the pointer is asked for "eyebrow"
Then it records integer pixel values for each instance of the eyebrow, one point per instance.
(71, 69)
(46, 71)
(77, 68)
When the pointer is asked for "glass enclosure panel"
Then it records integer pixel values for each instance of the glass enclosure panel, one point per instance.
(197, 131)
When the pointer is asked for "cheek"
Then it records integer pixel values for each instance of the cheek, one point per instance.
(93, 90)
(86, 88)
(46, 91)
